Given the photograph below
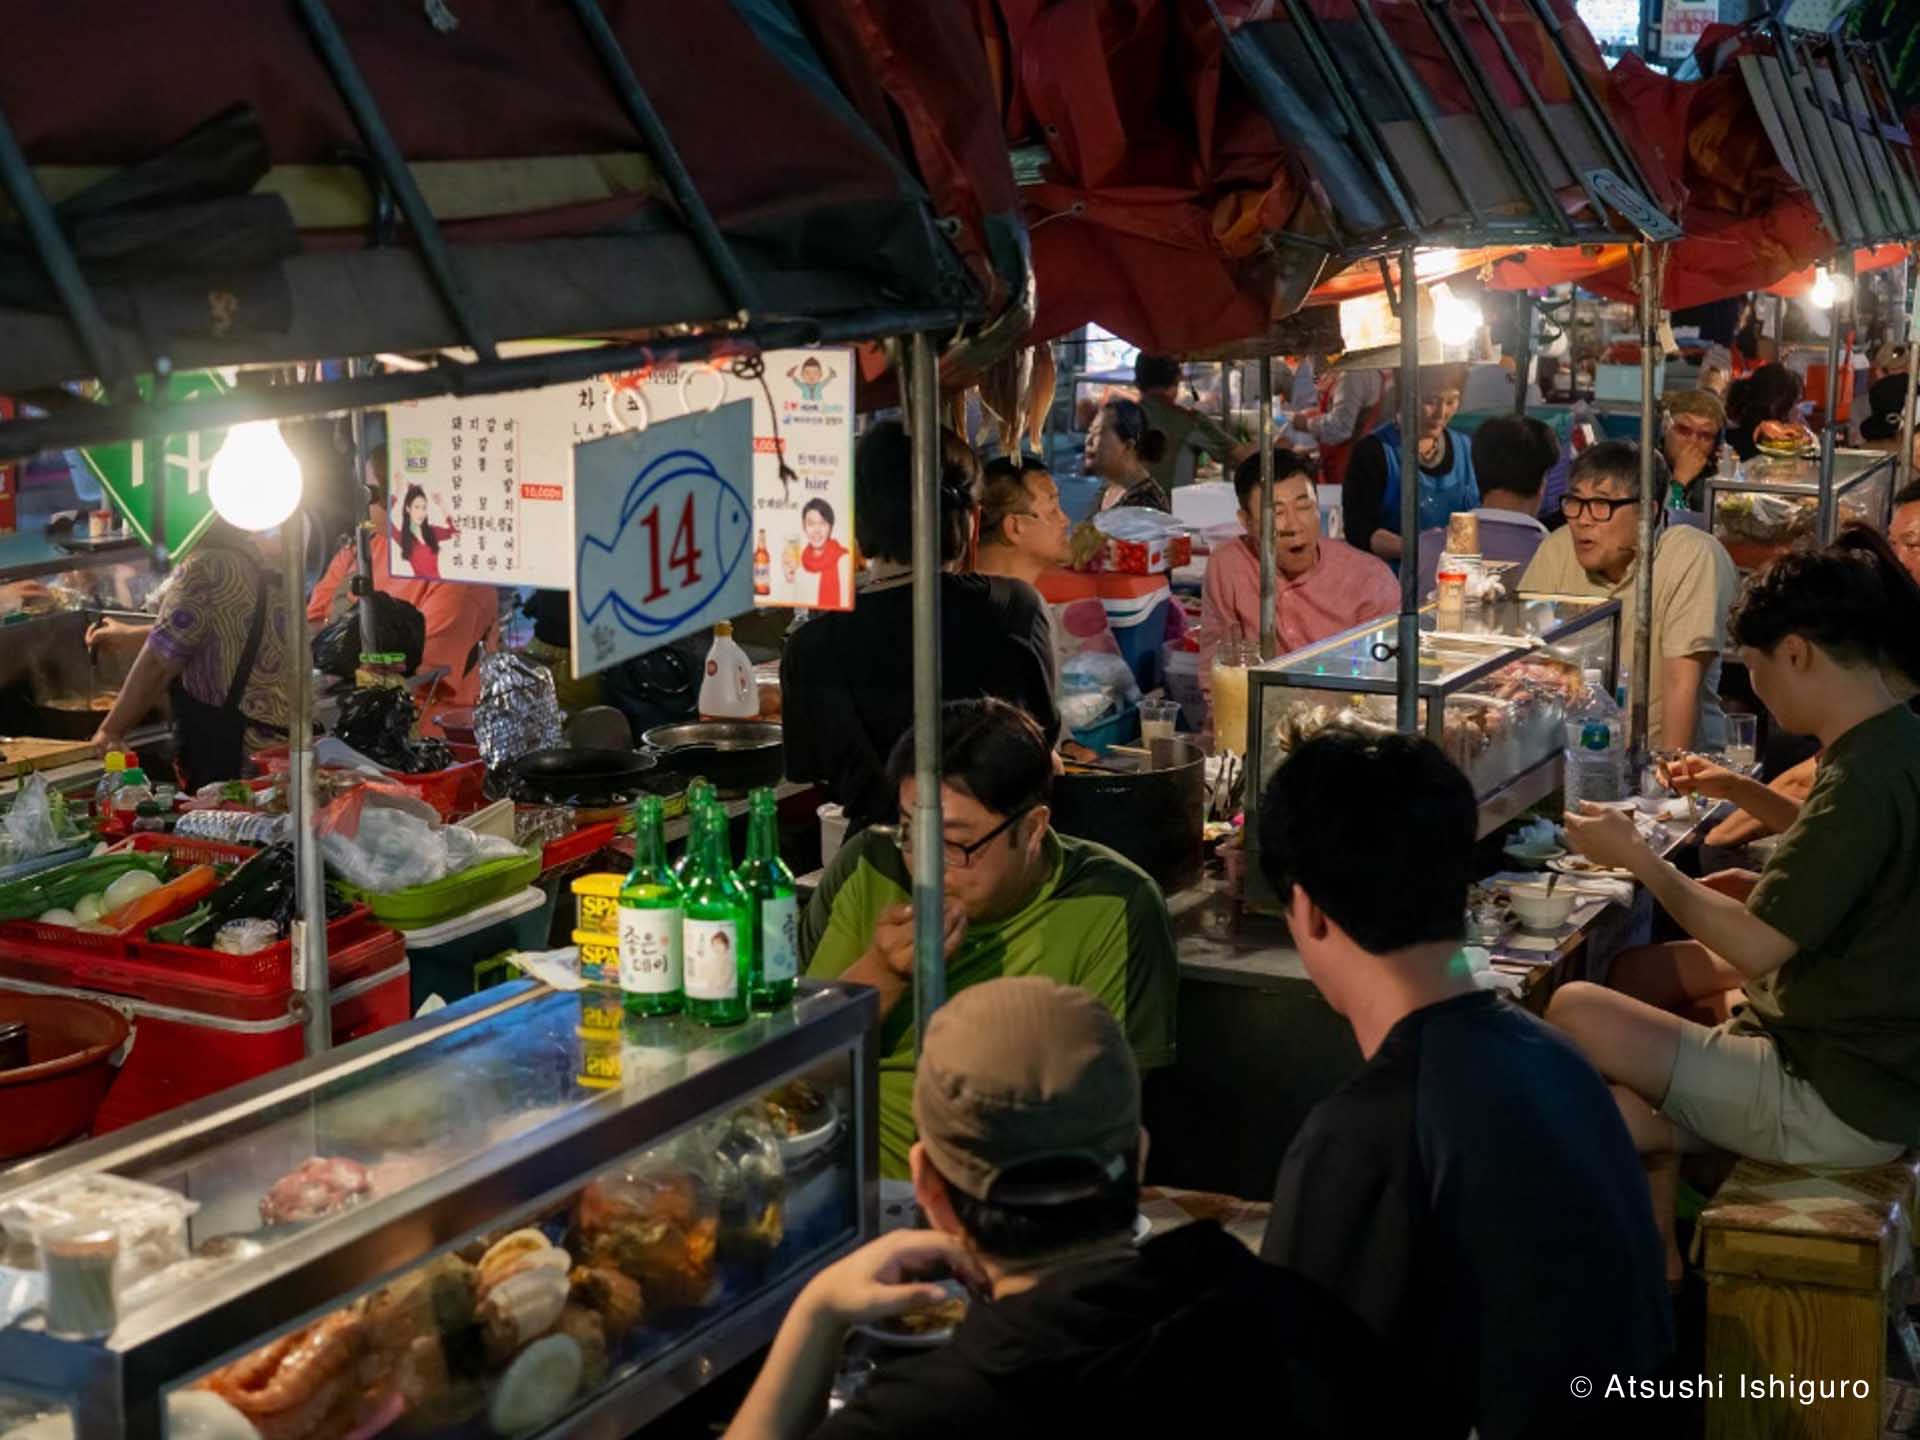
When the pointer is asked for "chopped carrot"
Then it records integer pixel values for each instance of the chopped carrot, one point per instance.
(177, 896)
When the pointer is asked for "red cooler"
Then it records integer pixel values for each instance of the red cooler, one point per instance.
(196, 1031)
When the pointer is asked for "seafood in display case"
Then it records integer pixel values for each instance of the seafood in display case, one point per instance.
(1494, 694)
(618, 1285)
(1773, 503)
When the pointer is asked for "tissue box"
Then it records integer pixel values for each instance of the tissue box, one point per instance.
(1144, 557)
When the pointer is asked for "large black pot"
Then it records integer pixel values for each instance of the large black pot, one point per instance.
(1154, 816)
(736, 755)
(591, 778)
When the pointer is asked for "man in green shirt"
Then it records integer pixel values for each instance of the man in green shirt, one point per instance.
(1189, 433)
(1821, 1065)
(1020, 900)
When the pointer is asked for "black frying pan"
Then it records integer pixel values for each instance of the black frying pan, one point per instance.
(568, 776)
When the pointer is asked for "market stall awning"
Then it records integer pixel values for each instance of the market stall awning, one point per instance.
(1755, 213)
(227, 203)
(1195, 168)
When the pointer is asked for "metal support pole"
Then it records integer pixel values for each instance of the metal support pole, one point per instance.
(1269, 581)
(57, 259)
(363, 532)
(310, 979)
(1407, 710)
(1903, 471)
(1839, 321)
(1523, 359)
(713, 248)
(929, 849)
(1652, 503)
(434, 254)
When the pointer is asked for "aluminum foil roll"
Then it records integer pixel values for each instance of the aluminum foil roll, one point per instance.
(518, 711)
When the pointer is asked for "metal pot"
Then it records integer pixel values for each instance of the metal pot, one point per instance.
(736, 755)
(1153, 814)
(568, 776)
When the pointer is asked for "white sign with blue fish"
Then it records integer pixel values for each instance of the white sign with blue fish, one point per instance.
(662, 531)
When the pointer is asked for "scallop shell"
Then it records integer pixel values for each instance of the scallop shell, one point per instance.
(504, 1252)
(524, 1300)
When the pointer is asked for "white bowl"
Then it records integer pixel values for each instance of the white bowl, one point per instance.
(1540, 911)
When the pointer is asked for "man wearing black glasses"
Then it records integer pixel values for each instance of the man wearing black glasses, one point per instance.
(1021, 900)
(1694, 582)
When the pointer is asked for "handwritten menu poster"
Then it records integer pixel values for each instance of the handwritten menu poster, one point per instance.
(481, 489)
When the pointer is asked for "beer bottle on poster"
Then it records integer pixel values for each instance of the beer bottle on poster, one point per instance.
(718, 931)
(769, 884)
(762, 567)
(651, 918)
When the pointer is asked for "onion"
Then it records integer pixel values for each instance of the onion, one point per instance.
(128, 888)
(86, 908)
(58, 916)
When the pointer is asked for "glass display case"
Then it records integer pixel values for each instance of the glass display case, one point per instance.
(528, 1214)
(1494, 693)
(1773, 503)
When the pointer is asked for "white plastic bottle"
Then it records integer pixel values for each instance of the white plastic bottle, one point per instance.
(727, 688)
(1596, 749)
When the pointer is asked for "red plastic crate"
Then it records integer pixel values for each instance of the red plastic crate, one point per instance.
(183, 853)
(580, 845)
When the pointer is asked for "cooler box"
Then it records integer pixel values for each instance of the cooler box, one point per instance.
(1139, 625)
(445, 959)
(197, 1033)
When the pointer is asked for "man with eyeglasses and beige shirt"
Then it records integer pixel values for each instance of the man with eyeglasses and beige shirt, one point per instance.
(1020, 900)
(1694, 582)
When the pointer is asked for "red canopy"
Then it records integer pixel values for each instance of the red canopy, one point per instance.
(1165, 183)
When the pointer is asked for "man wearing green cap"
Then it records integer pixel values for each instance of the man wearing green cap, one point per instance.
(1020, 900)
(1027, 1166)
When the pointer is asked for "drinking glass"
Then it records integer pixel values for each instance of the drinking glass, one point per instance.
(1742, 734)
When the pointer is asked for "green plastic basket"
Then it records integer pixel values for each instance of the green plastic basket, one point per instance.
(424, 905)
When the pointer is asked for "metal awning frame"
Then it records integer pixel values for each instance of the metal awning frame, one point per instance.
(1621, 207)
(744, 328)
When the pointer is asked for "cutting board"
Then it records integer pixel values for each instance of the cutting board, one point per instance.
(43, 754)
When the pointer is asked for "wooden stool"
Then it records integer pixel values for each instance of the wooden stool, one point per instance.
(1801, 1268)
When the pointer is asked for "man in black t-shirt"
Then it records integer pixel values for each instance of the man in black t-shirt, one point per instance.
(1471, 1194)
(1028, 1106)
(846, 679)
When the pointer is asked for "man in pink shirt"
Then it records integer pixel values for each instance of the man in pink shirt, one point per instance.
(1319, 590)
(462, 620)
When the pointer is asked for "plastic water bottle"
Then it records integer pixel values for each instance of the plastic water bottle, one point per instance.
(1596, 754)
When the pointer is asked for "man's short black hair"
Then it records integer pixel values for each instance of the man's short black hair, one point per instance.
(883, 494)
(1005, 492)
(990, 750)
(1027, 1232)
(1514, 453)
(1908, 494)
(1619, 461)
(1155, 372)
(1286, 463)
(1379, 831)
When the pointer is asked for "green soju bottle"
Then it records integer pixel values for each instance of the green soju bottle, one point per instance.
(769, 884)
(651, 907)
(718, 932)
(700, 794)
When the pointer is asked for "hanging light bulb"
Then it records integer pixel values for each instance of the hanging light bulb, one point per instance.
(1455, 321)
(1824, 291)
(254, 482)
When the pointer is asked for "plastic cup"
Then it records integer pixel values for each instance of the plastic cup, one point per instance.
(1158, 719)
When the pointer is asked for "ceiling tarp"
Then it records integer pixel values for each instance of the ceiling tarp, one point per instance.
(1194, 168)
(835, 143)
(1750, 219)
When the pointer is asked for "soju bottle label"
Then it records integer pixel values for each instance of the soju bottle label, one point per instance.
(713, 955)
(779, 939)
(649, 951)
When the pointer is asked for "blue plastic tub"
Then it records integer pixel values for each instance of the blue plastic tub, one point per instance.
(1140, 630)
(1117, 729)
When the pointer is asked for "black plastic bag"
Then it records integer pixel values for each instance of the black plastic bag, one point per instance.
(398, 628)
